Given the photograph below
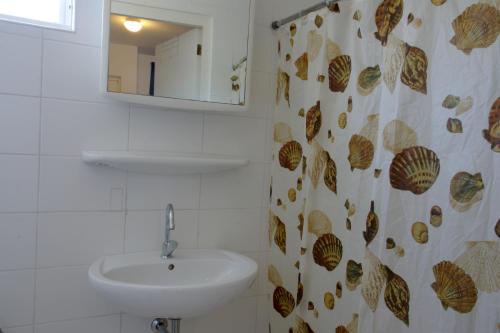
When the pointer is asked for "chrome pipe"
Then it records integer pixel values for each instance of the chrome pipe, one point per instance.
(277, 24)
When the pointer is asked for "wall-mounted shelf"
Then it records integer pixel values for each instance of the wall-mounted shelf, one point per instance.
(163, 163)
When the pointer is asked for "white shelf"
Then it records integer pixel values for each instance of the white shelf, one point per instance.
(162, 163)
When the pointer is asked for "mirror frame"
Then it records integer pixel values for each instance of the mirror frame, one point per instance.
(169, 102)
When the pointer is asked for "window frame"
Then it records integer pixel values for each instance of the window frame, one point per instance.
(69, 7)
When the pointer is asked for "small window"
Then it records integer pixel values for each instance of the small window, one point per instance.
(56, 14)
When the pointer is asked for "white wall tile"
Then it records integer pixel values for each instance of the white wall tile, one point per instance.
(262, 93)
(20, 29)
(19, 124)
(108, 324)
(20, 68)
(16, 298)
(238, 316)
(263, 309)
(88, 24)
(92, 126)
(23, 329)
(18, 183)
(132, 324)
(162, 130)
(236, 230)
(151, 192)
(239, 188)
(264, 48)
(71, 71)
(17, 241)
(78, 238)
(65, 293)
(237, 136)
(145, 230)
(68, 184)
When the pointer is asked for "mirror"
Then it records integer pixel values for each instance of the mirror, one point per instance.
(163, 52)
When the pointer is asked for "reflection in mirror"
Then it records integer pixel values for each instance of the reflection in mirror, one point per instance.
(165, 53)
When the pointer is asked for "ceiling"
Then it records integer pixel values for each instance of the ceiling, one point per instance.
(152, 33)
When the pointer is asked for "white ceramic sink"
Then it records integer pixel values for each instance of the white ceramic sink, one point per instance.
(190, 284)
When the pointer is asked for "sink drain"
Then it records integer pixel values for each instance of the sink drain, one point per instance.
(171, 267)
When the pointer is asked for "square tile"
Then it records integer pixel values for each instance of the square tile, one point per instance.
(18, 288)
(87, 236)
(17, 241)
(18, 183)
(108, 324)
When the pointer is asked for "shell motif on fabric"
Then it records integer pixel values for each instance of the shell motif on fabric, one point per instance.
(394, 57)
(330, 176)
(414, 73)
(282, 133)
(318, 21)
(332, 50)
(497, 229)
(492, 134)
(327, 251)
(399, 136)
(353, 275)
(368, 80)
(329, 301)
(438, 2)
(372, 225)
(342, 121)
(282, 86)
(290, 155)
(317, 162)
(454, 288)
(464, 106)
(373, 281)
(283, 301)
(352, 327)
(414, 169)
(341, 329)
(339, 72)
(314, 45)
(436, 219)
(397, 296)
(318, 223)
(481, 262)
(280, 235)
(451, 102)
(477, 27)
(301, 326)
(302, 65)
(274, 276)
(387, 17)
(361, 152)
(454, 126)
(420, 232)
(313, 122)
(465, 190)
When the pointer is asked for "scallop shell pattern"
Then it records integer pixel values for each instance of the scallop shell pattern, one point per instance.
(361, 152)
(274, 276)
(372, 225)
(313, 122)
(339, 73)
(397, 296)
(302, 65)
(399, 136)
(438, 2)
(316, 163)
(451, 102)
(368, 80)
(341, 329)
(352, 327)
(318, 223)
(465, 190)
(370, 128)
(492, 134)
(394, 56)
(301, 326)
(353, 275)
(420, 232)
(290, 155)
(330, 176)
(387, 17)
(283, 302)
(327, 251)
(477, 27)
(454, 125)
(282, 86)
(329, 301)
(464, 106)
(414, 73)
(332, 50)
(280, 236)
(482, 263)
(373, 281)
(314, 45)
(282, 133)
(415, 169)
(454, 288)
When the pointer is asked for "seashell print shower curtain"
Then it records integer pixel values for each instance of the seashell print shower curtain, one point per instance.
(385, 213)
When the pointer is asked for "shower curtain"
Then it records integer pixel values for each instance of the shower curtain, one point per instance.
(385, 194)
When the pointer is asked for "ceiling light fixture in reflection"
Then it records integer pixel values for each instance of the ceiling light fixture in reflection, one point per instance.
(132, 25)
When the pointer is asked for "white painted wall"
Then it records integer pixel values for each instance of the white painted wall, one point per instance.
(144, 73)
(57, 215)
(123, 62)
(178, 67)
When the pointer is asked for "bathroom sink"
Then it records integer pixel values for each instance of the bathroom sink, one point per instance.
(189, 284)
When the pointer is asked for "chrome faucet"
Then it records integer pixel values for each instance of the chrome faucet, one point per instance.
(169, 246)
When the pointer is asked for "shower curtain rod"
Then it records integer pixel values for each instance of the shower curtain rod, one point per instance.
(277, 24)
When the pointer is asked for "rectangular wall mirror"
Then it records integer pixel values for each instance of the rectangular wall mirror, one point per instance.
(185, 54)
